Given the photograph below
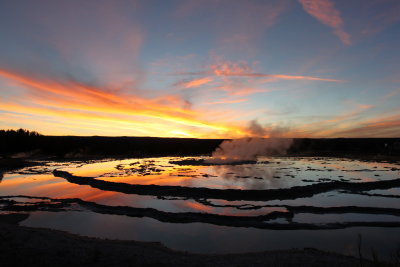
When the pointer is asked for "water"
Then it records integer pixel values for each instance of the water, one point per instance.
(242, 226)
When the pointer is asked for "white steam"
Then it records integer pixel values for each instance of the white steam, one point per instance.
(248, 149)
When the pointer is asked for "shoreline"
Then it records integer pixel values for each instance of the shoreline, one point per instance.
(22, 246)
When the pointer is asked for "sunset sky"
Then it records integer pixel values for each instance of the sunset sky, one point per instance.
(205, 69)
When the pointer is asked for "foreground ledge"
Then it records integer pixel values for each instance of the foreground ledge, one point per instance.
(26, 246)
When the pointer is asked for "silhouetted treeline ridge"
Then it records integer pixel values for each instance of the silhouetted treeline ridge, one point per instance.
(18, 133)
(344, 147)
(32, 143)
(20, 141)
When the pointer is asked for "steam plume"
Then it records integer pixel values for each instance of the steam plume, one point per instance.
(249, 148)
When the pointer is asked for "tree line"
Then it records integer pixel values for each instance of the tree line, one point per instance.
(18, 133)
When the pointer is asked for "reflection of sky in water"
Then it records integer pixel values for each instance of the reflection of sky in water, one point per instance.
(335, 199)
(266, 174)
(208, 238)
(211, 176)
(277, 173)
(45, 185)
(391, 191)
(348, 217)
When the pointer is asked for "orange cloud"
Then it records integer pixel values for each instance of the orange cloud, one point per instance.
(388, 126)
(325, 12)
(196, 82)
(239, 91)
(349, 115)
(295, 77)
(227, 101)
(197, 206)
(80, 103)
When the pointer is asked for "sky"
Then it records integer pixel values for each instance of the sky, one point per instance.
(202, 69)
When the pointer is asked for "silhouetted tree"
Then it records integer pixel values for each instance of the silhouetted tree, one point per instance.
(19, 132)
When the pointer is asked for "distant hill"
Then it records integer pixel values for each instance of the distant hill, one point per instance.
(25, 143)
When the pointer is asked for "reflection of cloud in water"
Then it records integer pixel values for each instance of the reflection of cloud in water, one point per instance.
(186, 181)
(251, 176)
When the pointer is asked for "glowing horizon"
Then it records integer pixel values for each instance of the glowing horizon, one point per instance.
(201, 69)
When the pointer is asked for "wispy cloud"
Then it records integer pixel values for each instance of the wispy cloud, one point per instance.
(233, 81)
(195, 82)
(378, 15)
(389, 95)
(242, 69)
(347, 115)
(326, 12)
(227, 101)
(236, 25)
(332, 125)
(382, 126)
(239, 90)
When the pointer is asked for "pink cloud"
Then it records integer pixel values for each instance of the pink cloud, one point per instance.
(389, 95)
(196, 82)
(381, 127)
(227, 101)
(379, 15)
(337, 125)
(238, 26)
(237, 90)
(242, 69)
(325, 12)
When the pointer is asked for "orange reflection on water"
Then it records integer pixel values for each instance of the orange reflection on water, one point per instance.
(45, 185)
(198, 207)
(151, 180)
(160, 172)
(95, 169)
(354, 169)
(228, 210)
